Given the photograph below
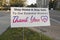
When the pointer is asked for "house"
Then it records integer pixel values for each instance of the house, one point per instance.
(45, 3)
(58, 4)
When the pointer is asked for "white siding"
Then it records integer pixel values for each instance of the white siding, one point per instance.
(42, 3)
(58, 4)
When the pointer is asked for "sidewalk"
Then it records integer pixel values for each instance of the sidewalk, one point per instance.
(4, 21)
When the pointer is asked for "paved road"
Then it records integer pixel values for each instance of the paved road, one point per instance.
(55, 15)
(4, 21)
(54, 30)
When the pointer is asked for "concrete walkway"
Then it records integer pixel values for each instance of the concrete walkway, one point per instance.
(4, 21)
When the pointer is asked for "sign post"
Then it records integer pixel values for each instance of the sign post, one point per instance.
(29, 17)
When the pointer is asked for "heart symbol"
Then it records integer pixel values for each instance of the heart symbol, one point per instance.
(44, 18)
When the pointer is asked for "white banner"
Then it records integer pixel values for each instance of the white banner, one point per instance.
(29, 17)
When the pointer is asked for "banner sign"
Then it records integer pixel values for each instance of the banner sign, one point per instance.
(29, 17)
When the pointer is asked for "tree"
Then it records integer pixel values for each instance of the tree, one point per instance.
(17, 3)
(32, 5)
(52, 4)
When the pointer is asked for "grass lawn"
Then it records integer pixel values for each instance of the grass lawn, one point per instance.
(18, 34)
(58, 9)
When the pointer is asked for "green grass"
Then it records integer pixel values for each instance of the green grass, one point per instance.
(17, 34)
(58, 9)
